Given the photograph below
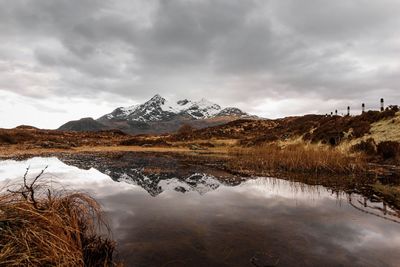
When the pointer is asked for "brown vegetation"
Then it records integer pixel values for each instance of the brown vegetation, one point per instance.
(386, 151)
(184, 132)
(333, 130)
(296, 158)
(389, 150)
(39, 227)
(18, 136)
(368, 147)
(312, 128)
(30, 138)
(149, 142)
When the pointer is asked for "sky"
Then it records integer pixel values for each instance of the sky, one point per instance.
(67, 59)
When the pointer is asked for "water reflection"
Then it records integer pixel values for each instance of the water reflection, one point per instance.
(220, 220)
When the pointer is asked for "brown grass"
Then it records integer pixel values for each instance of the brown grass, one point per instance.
(149, 142)
(39, 227)
(303, 158)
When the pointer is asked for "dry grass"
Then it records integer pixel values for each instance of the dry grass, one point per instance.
(305, 158)
(386, 130)
(39, 227)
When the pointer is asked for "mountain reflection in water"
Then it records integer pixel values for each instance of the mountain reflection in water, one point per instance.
(197, 216)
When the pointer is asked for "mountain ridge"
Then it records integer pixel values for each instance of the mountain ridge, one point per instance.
(160, 109)
(158, 116)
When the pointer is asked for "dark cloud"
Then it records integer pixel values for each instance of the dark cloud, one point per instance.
(235, 52)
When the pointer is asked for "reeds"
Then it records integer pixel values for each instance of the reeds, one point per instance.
(40, 227)
(303, 158)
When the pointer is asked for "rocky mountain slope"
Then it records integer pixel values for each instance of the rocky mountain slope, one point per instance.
(159, 115)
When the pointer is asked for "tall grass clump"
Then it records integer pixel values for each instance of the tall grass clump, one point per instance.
(302, 158)
(41, 227)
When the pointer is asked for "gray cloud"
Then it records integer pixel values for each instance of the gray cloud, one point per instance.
(231, 51)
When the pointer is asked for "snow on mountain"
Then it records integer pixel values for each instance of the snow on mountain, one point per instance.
(177, 107)
(155, 109)
(231, 112)
(160, 109)
(203, 109)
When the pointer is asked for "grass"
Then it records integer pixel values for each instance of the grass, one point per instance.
(303, 158)
(383, 130)
(40, 227)
(386, 130)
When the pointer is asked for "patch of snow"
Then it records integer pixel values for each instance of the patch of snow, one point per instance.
(129, 110)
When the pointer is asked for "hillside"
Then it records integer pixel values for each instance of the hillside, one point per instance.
(83, 125)
(332, 130)
(30, 138)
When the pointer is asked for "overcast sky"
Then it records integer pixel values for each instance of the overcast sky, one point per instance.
(64, 59)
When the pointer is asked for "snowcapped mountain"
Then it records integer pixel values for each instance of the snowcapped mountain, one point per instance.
(159, 115)
(157, 173)
(160, 109)
(155, 184)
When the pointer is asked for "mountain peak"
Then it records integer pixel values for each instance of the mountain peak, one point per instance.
(158, 99)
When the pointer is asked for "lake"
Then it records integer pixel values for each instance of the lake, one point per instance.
(166, 212)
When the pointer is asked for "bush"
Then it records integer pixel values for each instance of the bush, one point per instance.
(368, 147)
(185, 129)
(389, 149)
(185, 132)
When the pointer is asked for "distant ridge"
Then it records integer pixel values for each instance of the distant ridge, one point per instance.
(83, 125)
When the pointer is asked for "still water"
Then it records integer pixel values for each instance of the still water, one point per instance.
(164, 212)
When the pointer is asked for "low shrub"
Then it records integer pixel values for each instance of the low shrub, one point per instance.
(185, 132)
(185, 129)
(368, 147)
(389, 149)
